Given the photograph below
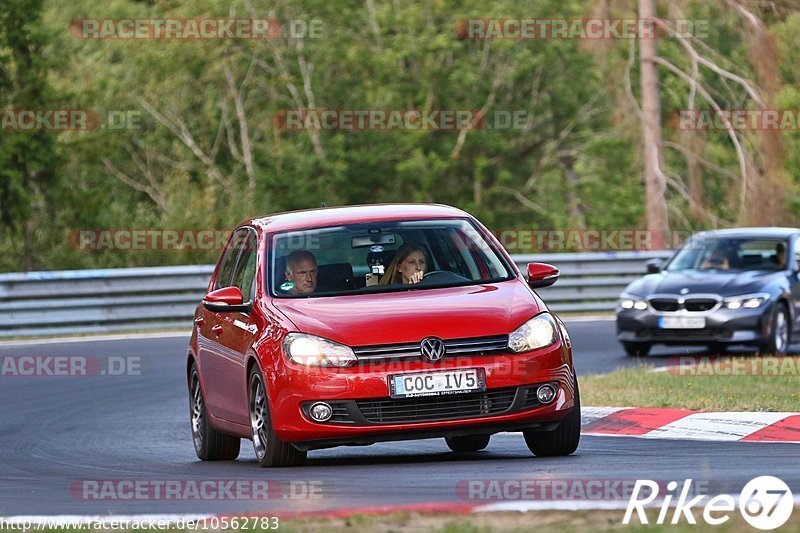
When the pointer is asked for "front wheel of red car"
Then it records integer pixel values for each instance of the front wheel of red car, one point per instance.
(270, 450)
(469, 443)
(210, 445)
(561, 441)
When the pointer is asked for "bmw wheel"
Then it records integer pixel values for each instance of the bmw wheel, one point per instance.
(636, 349)
(779, 333)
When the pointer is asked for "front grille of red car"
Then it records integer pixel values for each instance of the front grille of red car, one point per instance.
(375, 411)
(475, 346)
(437, 407)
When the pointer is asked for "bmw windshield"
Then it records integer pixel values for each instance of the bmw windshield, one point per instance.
(735, 254)
(382, 257)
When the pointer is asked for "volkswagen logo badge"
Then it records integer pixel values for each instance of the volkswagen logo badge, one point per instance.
(432, 348)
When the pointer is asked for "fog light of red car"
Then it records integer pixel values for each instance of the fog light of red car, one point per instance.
(546, 394)
(320, 412)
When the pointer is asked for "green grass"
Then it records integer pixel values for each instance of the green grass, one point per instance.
(641, 387)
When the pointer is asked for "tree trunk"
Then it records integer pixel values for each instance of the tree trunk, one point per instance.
(654, 180)
(572, 198)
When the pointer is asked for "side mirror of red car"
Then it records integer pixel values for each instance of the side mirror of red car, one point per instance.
(226, 300)
(541, 275)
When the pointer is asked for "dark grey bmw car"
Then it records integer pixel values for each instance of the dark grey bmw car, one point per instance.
(721, 288)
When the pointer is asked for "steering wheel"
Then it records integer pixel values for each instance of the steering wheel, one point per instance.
(441, 276)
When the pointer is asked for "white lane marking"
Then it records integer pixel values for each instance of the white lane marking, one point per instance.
(94, 338)
(74, 520)
(590, 414)
(549, 505)
(573, 505)
(716, 426)
(520, 506)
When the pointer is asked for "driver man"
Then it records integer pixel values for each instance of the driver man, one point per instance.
(719, 260)
(301, 272)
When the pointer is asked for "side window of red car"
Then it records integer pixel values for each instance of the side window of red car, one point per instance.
(246, 265)
(228, 263)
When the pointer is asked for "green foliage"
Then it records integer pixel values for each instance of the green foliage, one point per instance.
(188, 160)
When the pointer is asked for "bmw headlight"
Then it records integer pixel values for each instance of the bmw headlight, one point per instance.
(628, 301)
(538, 332)
(746, 301)
(311, 350)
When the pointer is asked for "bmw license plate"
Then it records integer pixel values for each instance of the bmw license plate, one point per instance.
(682, 322)
(437, 383)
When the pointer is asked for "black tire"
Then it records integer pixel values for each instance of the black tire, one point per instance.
(636, 349)
(717, 349)
(780, 332)
(564, 439)
(209, 444)
(469, 443)
(270, 450)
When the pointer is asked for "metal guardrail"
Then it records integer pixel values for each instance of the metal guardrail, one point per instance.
(126, 299)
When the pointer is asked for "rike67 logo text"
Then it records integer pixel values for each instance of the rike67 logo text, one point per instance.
(765, 502)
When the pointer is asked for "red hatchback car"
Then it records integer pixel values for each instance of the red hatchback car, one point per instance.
(354, 325)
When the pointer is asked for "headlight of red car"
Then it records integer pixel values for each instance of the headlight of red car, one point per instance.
(311, 350)
(538, 332)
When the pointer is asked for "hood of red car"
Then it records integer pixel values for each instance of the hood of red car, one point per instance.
(410, 316)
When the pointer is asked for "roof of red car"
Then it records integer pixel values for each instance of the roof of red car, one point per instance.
(332, 216)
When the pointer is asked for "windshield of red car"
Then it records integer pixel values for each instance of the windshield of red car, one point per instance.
(382, 257)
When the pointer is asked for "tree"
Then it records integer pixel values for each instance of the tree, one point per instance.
(28, 160)
(655, 182)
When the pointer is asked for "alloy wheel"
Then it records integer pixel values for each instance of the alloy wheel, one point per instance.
(258, 416)
(197, 413)
(781, 332)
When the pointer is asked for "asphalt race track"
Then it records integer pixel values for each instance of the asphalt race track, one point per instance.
(56, 431)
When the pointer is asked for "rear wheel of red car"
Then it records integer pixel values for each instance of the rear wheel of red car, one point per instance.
(561, 441)
(469, 443)
(270, 450)
(210, 444)
(636, 349)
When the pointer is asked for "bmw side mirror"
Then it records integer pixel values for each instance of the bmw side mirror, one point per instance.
(541, 275)
(654, 266)
(226, 300)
